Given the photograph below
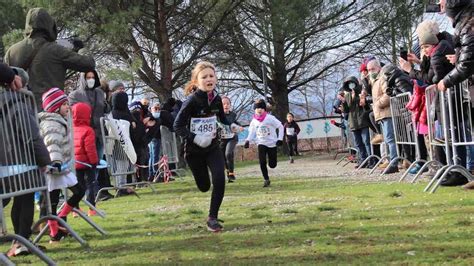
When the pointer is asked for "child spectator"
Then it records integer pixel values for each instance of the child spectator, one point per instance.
(85, 151)
(56, 133)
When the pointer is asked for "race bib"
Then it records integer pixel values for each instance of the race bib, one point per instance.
(227, 132)
(290, 131)
(204, 126)
(263, 131)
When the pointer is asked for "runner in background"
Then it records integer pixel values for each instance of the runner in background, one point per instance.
(291, 135)
(229, 139)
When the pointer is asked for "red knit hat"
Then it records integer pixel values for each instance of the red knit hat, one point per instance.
(53, 99)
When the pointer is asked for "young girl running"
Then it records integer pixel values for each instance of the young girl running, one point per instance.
(291, 135)
(262, 129)
(229, 139)
(56, 133)
(196, 122)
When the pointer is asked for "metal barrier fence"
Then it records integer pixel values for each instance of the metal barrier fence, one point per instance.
(433, 100)
(405, 130)
(458, 133)
(117, 153)
(169, 148)
(19, 172)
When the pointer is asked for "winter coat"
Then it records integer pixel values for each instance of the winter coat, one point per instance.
(141, 135)
(47, 69)
(358, 115)
(84, 137)
(293, 126)
(398, 82)
(439, 63)
(417, 104)
(93, 97)
(464, 46)
(6, 74)
(381, 103)
(56, 134)
(197, 105)
(426, 72)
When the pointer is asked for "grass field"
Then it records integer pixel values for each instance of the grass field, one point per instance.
(295, 221)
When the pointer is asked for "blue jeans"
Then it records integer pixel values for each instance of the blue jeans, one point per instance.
(155, 146)
(389, 136)
(362, 142)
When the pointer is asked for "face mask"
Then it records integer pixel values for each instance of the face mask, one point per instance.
(352, 86)
(373, 75)
(90, 83)
(156, 114)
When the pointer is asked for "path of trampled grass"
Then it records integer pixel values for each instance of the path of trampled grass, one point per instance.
(298, 220)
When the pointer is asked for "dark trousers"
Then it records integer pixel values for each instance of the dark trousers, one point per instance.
(263, 153)
(77, 195)
(87, 181)
(292, 146)
(228, 149)
(23, 211)
(200, 162)
(143, 157)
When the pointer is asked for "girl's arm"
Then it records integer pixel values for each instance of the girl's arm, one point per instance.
(182, 120)
(252, 132)
(277, 124)
(297, 129)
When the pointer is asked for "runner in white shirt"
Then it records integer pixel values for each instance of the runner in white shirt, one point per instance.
(263, 131)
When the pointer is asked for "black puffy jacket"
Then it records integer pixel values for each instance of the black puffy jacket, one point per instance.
(397, 81)
(195, 106)
(439, 63)
(464, 46)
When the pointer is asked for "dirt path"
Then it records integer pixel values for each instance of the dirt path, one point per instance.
(318, 166)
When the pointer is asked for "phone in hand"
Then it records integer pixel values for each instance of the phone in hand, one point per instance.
(404, 54)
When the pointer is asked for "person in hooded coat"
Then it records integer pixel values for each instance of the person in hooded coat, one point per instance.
(45, 61)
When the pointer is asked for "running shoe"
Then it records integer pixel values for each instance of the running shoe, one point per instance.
(266, 183)
(213, 225)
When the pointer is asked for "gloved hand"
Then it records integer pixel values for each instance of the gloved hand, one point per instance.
(202, 141)
(279, 143)
(78, 44)
(57, 165)
(247, 144)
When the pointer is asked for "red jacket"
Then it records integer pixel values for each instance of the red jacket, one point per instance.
(417, 104)
(84, 136)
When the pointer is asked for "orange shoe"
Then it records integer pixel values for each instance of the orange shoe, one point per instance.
(75, 215)
(91, 212)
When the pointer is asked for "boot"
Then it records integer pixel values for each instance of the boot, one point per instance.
(453, 180)
(469, 185)
(65, 211)
(53, 227)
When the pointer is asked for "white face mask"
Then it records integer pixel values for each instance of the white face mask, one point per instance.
(352, 85)
(90, 83)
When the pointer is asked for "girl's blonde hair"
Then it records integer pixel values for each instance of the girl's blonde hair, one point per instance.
(191, 86)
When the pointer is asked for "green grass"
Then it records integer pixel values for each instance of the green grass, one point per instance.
(295, 221)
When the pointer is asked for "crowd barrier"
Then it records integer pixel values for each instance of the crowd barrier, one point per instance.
(19, 172)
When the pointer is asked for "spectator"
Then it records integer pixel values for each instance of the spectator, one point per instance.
(358, 117)
(382, 110)
(155, 143)
(144, 131)
(45, 61)
(460, 13)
